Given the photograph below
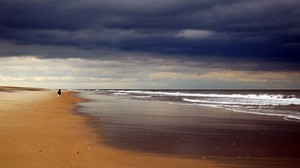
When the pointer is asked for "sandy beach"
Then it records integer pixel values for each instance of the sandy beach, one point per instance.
(38, 129)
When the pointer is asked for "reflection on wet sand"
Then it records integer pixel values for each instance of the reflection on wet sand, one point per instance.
(193, 131)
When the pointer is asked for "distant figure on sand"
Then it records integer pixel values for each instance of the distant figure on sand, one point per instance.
(58, 93)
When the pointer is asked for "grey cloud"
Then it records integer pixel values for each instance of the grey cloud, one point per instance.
(170, 14)
(265, 30)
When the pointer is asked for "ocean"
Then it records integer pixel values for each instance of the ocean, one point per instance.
(281, 103)
(197, 123)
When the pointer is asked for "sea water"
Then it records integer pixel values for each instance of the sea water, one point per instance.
(197, 123)
(282, 103)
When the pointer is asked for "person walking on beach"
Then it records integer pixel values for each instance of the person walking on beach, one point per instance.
(58, 93)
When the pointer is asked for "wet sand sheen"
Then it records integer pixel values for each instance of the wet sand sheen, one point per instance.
(38, 129)
(195, 132)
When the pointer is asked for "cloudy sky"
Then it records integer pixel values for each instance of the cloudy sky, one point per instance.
(150, 43)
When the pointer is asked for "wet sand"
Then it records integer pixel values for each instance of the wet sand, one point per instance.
(224, 137)
(38, 129)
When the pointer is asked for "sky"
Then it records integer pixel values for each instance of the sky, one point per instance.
(144, 44)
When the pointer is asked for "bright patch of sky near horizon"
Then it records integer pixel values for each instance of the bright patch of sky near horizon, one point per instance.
(133, 73)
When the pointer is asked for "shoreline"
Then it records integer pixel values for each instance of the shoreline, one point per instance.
(38, 129)
(229, 138)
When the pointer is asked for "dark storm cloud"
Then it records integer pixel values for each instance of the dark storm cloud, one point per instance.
(262, 30)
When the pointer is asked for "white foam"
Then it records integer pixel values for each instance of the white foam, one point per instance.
(142, 97)
(261, 104)
(290, 117)
(290, 99)
(243, 102)
(120, 94)
(284, 114)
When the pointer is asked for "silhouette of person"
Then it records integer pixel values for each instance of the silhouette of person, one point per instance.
(59, 93)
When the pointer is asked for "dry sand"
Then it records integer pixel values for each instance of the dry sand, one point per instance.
(38, 129)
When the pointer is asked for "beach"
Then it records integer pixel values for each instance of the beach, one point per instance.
(39, 129)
